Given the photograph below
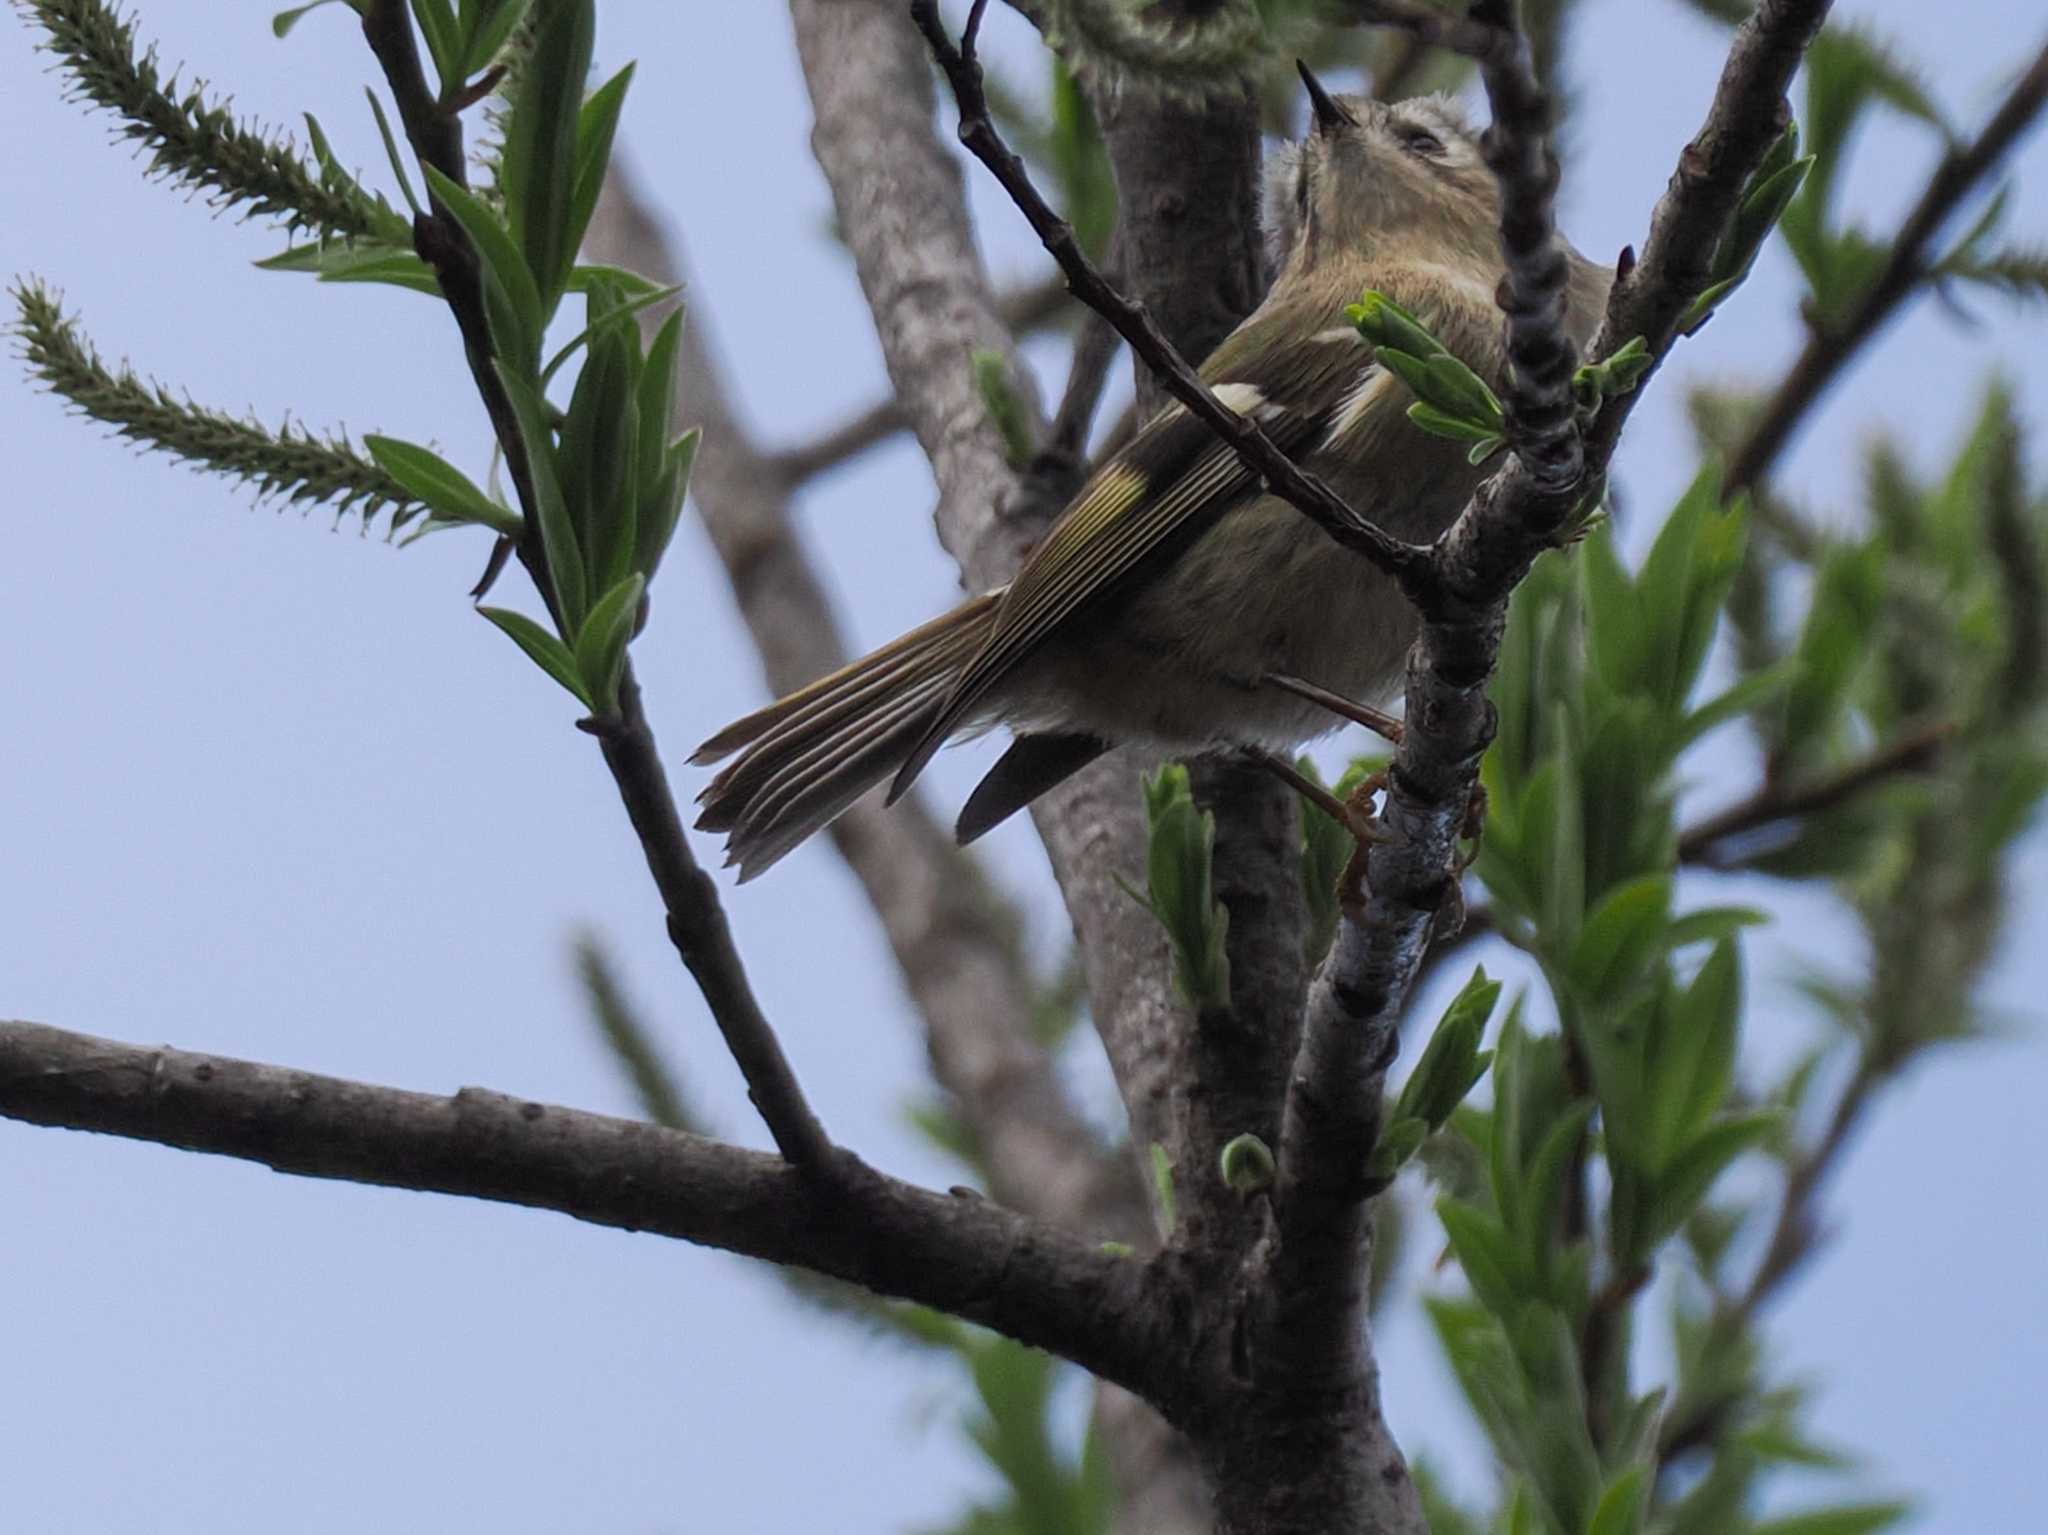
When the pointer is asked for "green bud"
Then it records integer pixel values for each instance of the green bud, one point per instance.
(1247, 1164)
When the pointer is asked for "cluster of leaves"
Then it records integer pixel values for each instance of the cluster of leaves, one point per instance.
(1453, 401)
(1848, 73)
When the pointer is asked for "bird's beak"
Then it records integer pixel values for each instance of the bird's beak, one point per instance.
(1331, 113)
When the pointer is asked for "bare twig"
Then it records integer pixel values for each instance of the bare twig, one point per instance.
(1024, 309)
(969, 1257)
(1095, 349)
(1773, 803)
(867, 429)
(1831, 344)
(1406, 562)
(698, 929)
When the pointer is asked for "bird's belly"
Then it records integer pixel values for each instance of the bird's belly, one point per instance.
(1180, 660)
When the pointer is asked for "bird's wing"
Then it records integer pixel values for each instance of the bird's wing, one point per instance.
(1174, 477)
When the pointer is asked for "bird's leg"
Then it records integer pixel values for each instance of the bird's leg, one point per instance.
(1378, 721)
(1354, 815)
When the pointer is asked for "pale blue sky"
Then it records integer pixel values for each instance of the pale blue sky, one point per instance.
(274, 791)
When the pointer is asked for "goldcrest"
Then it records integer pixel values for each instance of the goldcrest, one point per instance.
(1172, 588)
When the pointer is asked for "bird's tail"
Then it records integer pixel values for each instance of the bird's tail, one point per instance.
(805, 758)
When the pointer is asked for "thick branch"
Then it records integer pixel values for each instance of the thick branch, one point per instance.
(1832, 343)
(962, 1255)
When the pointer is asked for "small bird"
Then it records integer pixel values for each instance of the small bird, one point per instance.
(1173, 589)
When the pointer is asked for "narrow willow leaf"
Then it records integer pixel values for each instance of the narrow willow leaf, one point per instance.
(496, 29)
(282, 23)
(538, 166)
(661, 507)
(1162, 1186)
(557, 532)
(447, 491)
(443, 38)
(617, 315)
(544, 649)
(601, 643)
(363, 261)
(502, 264)
(1619, 937)
(596, 123)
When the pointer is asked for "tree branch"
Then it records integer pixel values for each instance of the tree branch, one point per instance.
(1776, 802)
(962, 1255)
(1831, 344)
(1023, 309)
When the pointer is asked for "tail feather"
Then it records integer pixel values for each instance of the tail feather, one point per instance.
(805, 758)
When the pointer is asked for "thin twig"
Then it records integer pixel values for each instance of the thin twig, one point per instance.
(1773, 802)
(1029, 308)
(1406, 562)
(1831, 344)
(701, 935)
(1095, 349)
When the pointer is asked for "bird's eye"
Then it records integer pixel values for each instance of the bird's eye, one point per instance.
(1418, 141)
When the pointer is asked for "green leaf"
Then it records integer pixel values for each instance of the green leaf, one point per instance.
(1694, 1062)
(1386, 324)
(1620, 936)
(517, 315)
(545, 650)
(1397, 1144)
(1180, 852)
(448, 493)
(1452, 1062)
(660, 507)
(1006, 411)
(539, 162)
(601, 642)
(360, 261)
(1847, 1519)
(284, 21)
(557, 532)
(1483, 1251)
(1457, 428)
(1162, 1186)
(492, 33)
(391, 153)
(657, 404)
(586, 275)
(596, 123)
(1620, 1509)
(600, 456)
(443, 39)
(1681, 1186)
(619, 314)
